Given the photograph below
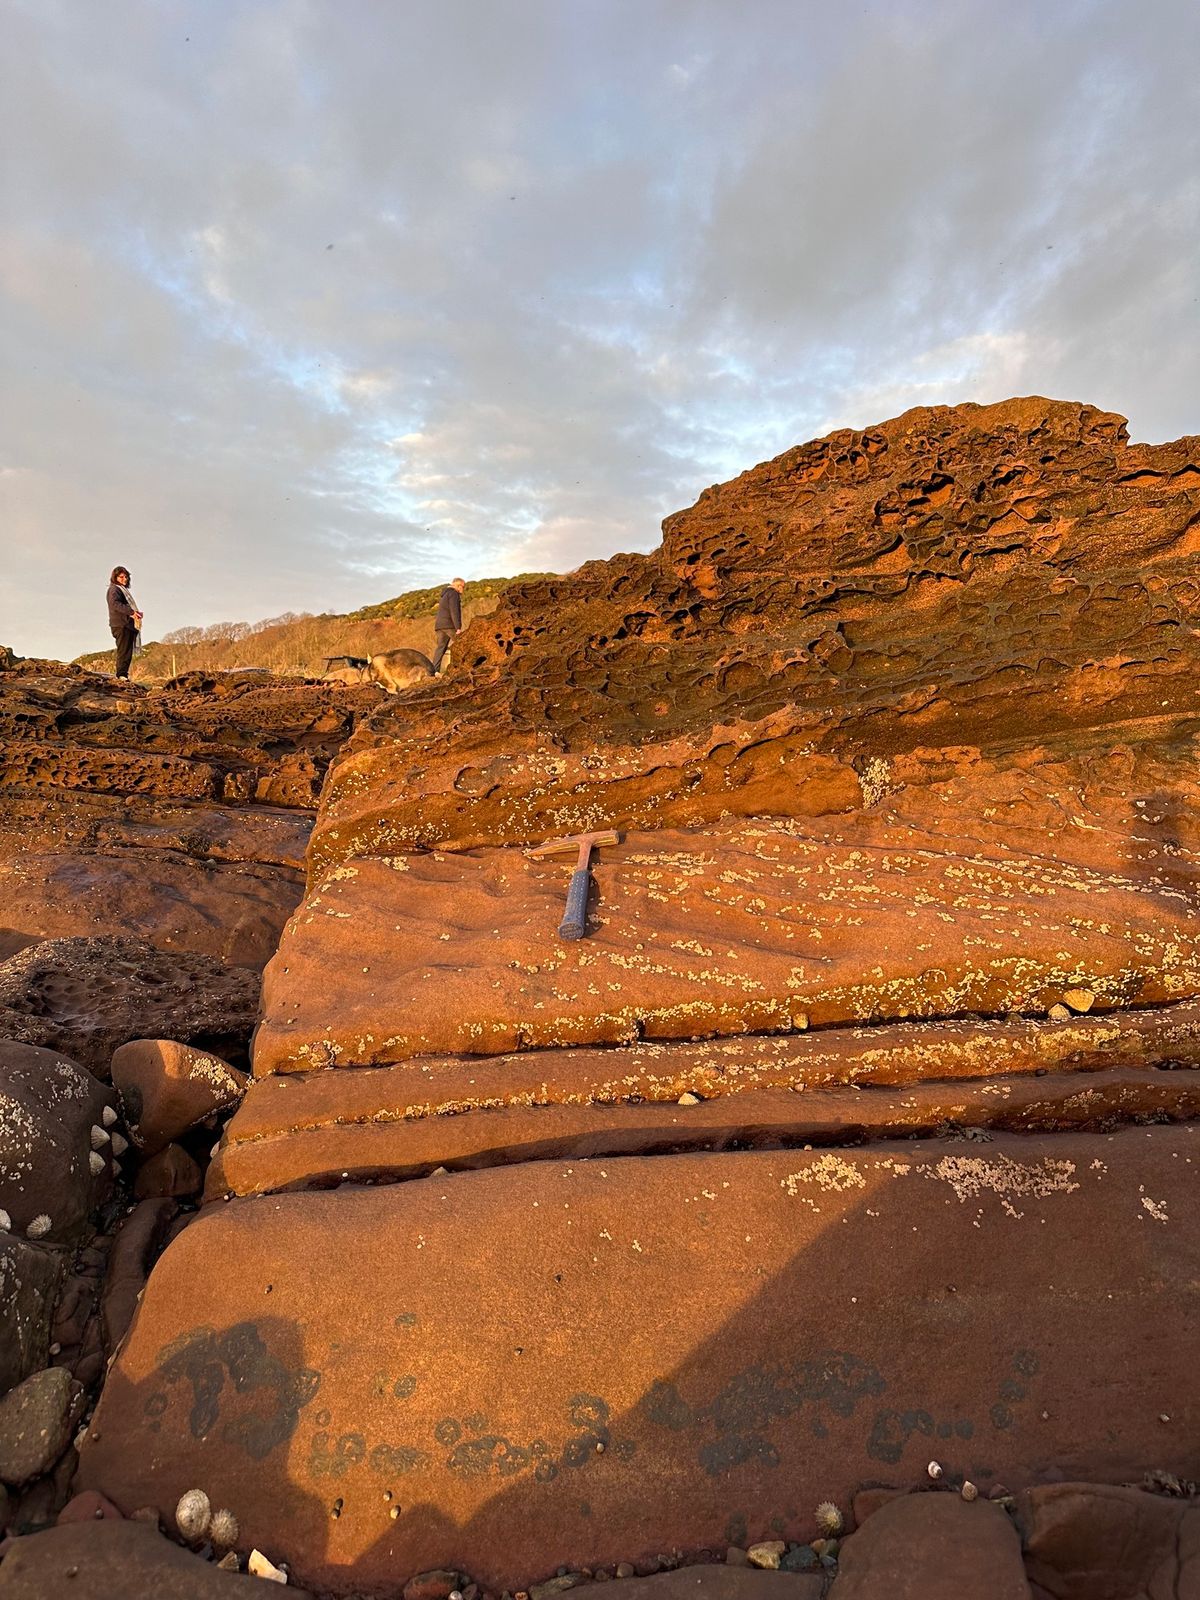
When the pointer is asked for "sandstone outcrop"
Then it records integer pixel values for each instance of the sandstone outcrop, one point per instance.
(859, 1131)
(178, 815)
(676, 1351)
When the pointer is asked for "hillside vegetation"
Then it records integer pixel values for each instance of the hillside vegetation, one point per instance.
(300, 642)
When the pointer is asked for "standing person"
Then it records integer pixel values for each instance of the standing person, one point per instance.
(448, 621)
(124, 618)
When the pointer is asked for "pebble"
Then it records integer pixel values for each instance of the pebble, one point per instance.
(735, 1556)
(800, 1558)
(624, 1569)
(767, 1554)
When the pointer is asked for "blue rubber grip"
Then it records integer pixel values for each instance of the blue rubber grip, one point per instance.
(575, 917)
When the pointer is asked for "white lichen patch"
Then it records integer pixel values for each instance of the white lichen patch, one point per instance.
(1156, 1208)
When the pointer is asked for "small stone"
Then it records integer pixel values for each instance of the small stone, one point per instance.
(767, 1554)
(35, 1425)
(624, 1569)
(688, 1099)
(735, 1556)
(800, 1558)
(553, 1586)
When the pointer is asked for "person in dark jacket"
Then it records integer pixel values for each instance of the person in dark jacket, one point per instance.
(124, 618)
(448, 621)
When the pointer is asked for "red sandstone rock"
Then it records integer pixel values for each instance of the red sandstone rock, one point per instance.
(932, 1547)
(85, 997)
(138, 1241)
(169, 1172)
(752, 1332)
(166, 803)
(49, 1107)
(88, 1507)
(390, 1129)
(167, 1087)
(1006, 577)
(1100, 1542)
(114, 1561)
(747, 927)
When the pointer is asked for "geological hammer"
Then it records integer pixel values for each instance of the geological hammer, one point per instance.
(575, 917)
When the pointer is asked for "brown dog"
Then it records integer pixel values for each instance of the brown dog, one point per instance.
(400, 669)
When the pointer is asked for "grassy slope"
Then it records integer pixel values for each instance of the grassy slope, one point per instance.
(302, 644)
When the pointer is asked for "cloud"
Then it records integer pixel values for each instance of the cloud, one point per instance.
(303, 305)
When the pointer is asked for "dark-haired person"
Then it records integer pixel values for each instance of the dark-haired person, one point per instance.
(124, 618)
(448, 621)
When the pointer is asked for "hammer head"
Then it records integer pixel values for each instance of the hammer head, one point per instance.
(577, 841)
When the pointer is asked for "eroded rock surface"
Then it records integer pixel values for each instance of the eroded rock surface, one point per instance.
(829, 1150)
(179, 815)
(85, 997)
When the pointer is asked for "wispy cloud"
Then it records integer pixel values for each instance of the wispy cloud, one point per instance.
(302, 305)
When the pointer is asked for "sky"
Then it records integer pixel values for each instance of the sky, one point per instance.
(304, 303)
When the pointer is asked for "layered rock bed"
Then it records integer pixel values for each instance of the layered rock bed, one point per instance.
(823, 1220)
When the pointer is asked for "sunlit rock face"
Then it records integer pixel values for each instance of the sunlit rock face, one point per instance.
(826, 1151)
(177, 814)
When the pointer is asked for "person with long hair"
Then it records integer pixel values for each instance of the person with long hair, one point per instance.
(124, 618)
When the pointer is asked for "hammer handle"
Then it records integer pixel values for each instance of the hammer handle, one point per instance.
(575, 917)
